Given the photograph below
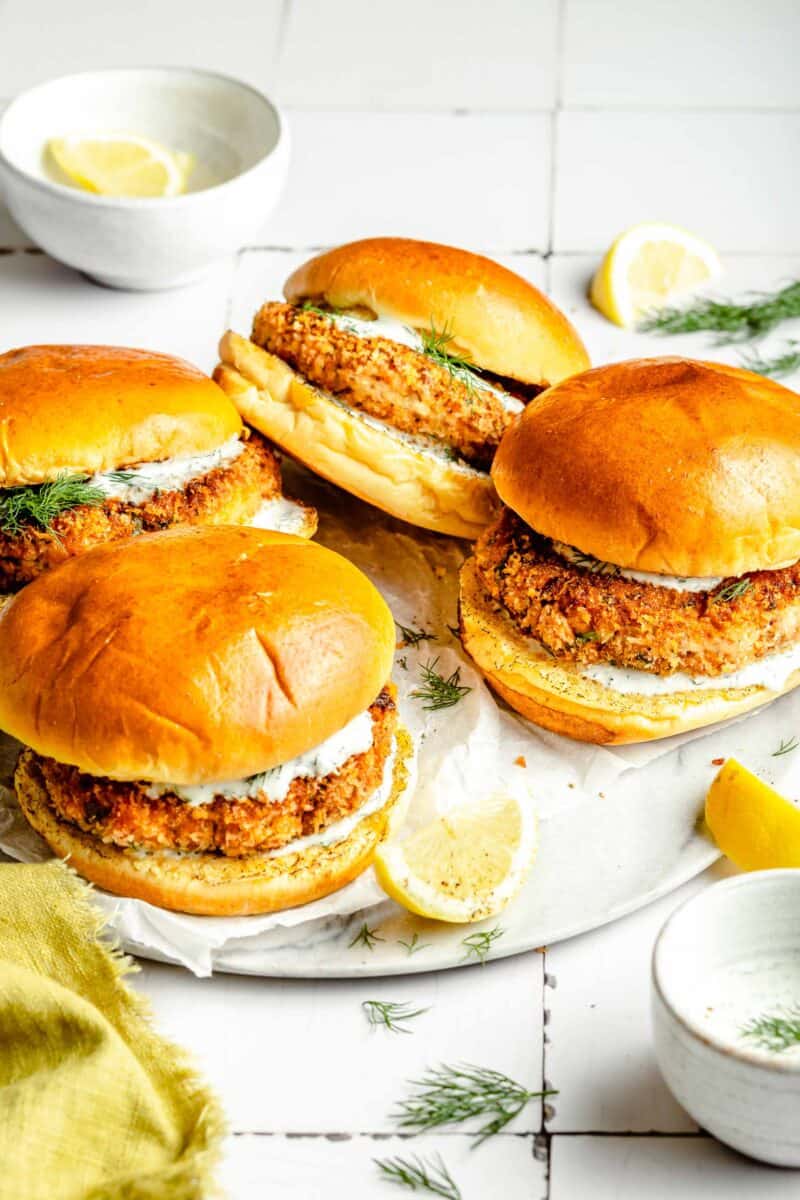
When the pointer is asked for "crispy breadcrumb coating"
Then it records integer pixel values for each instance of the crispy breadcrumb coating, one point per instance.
(226, 495)
(123, 813)
(590, 617)
(386, 380)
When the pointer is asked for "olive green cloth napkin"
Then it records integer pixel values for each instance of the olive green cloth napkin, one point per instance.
(94, 1105)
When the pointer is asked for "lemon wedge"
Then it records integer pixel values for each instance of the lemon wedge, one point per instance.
(648, 267)
(753, 825)
(121, 165)
(464, 866)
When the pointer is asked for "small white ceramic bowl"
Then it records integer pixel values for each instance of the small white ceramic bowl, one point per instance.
(726, 956)
(238, 137)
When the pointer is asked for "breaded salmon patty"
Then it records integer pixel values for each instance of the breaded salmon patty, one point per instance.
(593, 614)
(129, 815)
(228, 494)
(406, 388)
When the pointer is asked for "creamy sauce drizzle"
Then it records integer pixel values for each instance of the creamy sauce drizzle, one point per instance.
(678, 583)
(145, 479)
(771, 672)
(396, 331)
(274, 784)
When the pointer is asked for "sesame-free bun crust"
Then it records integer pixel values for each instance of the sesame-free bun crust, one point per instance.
(375, 463)
(193, 655)
(211, 884)
(499, 320)
(84, 409)
(664, 464)
(555, 695)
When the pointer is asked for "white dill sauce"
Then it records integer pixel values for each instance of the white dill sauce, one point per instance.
(141, 482)
(735, 994)
(273, 785)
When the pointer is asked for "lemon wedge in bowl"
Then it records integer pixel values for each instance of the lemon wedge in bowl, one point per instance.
(121, 165)
(648, 267)
(464, 866)
(753, 825)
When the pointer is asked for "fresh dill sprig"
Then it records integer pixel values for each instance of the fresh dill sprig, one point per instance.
(412, 637)
(479, 944)
(449, 1095)
(785, 363)
(438, 692)
(434, 345)
(786, 747)
(776, 1031)
(414, 945)
(732, 321)
(587, 562)
(121, 476)
(41, 503)
(365, 937)
(391, 1015)
(417, 1174)
(331, 314)
(732, 592)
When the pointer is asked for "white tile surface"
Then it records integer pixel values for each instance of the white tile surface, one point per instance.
(47, 39)
(322, 1169)
(41, 301)
(420, 55)
(569, 278)
(599, 1054)
(300, 1056)
(660, 1169)
(732, 177)
(680, 54)
(468, 179)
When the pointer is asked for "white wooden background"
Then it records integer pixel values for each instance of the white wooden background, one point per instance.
(533, 131)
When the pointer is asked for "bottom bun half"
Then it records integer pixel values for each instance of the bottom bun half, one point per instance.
(211, 884)
(368, 459)
(555, 695)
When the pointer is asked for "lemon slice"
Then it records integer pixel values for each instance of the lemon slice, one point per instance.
(464, 866)
(753, 825)
(121, 165)
(648, 267)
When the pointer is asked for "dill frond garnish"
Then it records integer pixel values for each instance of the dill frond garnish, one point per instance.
(434, 345)
(449, 1095)
(41, 503)
(413, 637)
(417, 1174)
(331, 314)
(392, 1016)
(776, 1031)
(586, 562)
(785, 363)
(786, 747)
(121, 476)
(732, 321)
(732, 592)
(479, 944)
(414, 945)
(365, 937)
(436, 691)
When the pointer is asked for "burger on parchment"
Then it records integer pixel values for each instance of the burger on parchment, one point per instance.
(393, 368)
(643, 577)
(101, 443)
(207, 716)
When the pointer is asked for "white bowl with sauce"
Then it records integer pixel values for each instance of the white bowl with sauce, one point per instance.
(726, 957)
(239, 140)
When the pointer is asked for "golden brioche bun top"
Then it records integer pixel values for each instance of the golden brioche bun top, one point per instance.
(497, 319)
(191, 656)
(663, 464)
(83, 409)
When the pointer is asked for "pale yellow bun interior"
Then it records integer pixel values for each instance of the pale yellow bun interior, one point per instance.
(373, 461)
(497, 319)
(85, 409)
(555, 695)
(193, 655)
(664, 464)
(211, 884)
